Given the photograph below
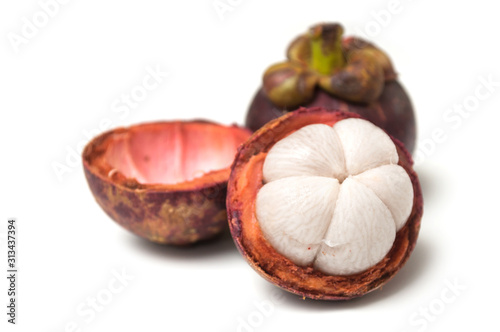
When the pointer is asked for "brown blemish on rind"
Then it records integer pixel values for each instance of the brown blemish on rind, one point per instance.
(246, 180)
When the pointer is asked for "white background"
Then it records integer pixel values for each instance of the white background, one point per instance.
(63, 81)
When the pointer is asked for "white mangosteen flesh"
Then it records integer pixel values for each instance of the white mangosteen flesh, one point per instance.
(334, 197)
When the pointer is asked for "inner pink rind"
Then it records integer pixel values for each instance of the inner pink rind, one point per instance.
(173, 152)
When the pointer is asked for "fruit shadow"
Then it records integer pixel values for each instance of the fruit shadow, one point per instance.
(433, 184)
(221, 246)
(414, 268)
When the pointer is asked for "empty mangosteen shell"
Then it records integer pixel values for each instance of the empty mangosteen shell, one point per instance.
(176, 214)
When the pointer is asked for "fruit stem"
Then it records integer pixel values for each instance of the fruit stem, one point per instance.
(326, 48)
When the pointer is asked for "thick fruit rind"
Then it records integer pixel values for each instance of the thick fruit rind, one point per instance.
(246, 180)
(177, 214)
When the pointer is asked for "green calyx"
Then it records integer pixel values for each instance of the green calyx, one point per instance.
(350, 69)
(326, 48)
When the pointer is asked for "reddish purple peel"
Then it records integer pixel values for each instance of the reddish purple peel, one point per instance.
(143, 178)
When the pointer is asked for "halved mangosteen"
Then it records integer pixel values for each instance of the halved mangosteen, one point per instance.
(324, 204)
